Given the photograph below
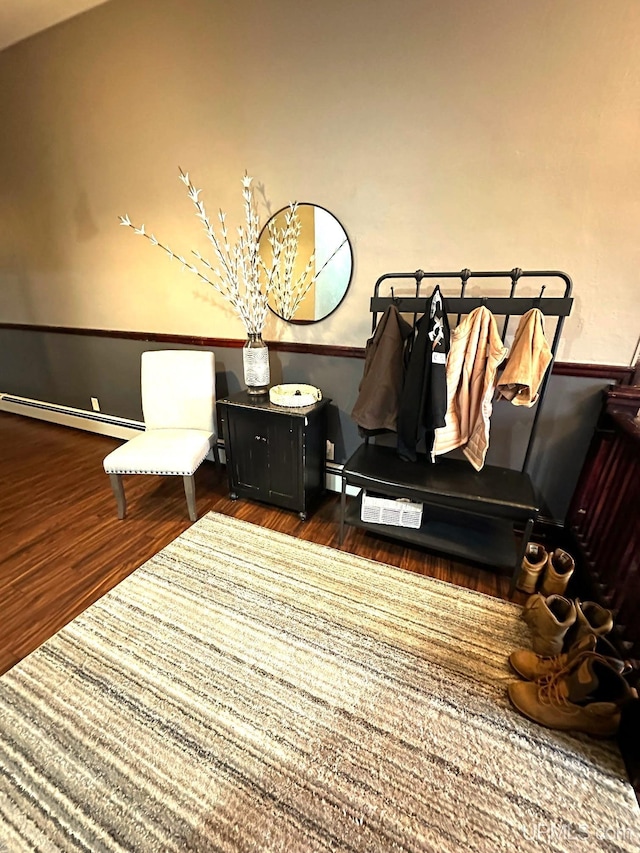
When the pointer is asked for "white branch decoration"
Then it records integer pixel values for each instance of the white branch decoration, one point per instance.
(287, 294)
(236, 274)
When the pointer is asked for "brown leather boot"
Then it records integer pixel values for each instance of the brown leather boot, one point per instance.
(535, 559)
(591, 618)
(549, 620)
(534, 667)
(586, 696)
(560, 566)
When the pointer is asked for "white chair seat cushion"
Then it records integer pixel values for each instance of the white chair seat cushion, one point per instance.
(161, 451)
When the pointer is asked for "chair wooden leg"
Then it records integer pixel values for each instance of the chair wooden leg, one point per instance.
(190, 492)
(118, 491)
(216, 455)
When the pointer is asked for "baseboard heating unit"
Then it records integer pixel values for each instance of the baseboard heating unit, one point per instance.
(68, 416)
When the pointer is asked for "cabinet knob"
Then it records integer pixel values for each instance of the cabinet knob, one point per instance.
(260, 438)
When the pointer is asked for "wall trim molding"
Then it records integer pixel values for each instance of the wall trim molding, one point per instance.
(620, 374)
(190, 340)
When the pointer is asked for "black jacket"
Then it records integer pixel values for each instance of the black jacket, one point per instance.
(423, 403)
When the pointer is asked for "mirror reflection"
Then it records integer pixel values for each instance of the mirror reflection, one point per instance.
(315, 273)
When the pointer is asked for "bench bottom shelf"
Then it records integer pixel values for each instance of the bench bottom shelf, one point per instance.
(471, 538)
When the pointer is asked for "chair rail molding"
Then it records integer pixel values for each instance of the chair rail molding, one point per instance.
(620, 374)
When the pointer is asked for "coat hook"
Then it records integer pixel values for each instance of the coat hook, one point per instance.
(537, 301)
(464, 278)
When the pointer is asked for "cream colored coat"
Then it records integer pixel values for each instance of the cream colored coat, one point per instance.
(475, 354)
(528, 361)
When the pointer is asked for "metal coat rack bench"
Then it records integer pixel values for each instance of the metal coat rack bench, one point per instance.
(467, 514)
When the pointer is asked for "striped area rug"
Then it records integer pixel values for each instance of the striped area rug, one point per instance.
(248, 691)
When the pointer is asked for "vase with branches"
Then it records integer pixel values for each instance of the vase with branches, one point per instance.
(240, 274)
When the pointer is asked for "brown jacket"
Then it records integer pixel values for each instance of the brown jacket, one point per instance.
(528, 361)
(379, 399)
(475, 354)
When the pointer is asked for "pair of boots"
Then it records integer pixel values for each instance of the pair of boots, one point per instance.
(582, 690)
(574, 675)
(551, 570)
(556, 622)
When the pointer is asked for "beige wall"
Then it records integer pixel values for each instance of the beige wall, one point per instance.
(442, 134)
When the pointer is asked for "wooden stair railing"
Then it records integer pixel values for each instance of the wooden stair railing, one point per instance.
(604, 516)
(604, 520)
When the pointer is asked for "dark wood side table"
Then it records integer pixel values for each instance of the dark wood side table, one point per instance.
(275, 454)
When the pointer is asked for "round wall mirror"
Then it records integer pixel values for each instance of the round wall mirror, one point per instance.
(314, 272)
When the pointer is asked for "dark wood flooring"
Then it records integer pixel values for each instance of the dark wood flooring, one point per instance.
(62, 545)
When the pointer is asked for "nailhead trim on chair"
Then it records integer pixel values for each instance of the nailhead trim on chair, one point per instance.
(160, 473)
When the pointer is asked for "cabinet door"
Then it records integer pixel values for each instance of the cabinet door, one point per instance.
(249, 436)
(285, 452)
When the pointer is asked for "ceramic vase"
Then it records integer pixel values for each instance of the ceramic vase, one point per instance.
(255, 362)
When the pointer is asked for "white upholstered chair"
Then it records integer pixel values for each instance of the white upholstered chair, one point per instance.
(178, 404)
